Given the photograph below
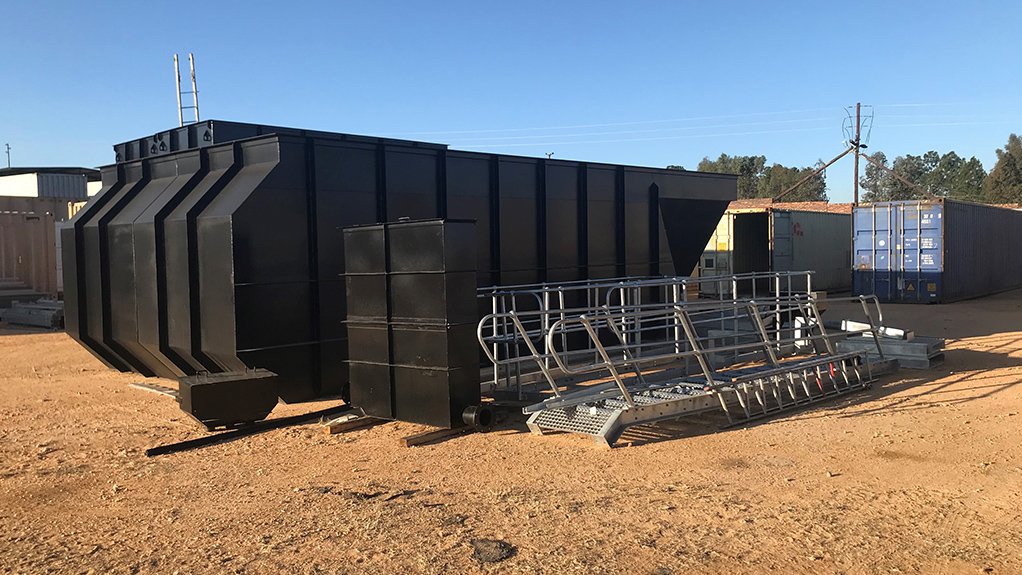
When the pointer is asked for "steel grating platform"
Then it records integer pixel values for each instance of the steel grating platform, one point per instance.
(773, 369)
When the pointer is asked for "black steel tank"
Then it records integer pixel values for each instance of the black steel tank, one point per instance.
(217, 254)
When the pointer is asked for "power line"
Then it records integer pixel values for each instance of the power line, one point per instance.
(662, 121)
(677, 137)
(607, 124)
(652, 130)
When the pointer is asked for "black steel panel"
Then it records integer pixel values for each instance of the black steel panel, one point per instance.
(301, 382)
(604, 272)
(267, 315)
(602, 219)
(555, 275)
(76, 271)
(640, 259)
(248, 270)
(430, 247)
(333, 369)
(211, 132)
(149, 241)
(689, 224)
(131, 265)
(366, 297)
(265, 213)
(369, 342)
(468, 198)
(346, 195)
(411, 185)
(435, 346)
(433, 297)
(562, 257)
(182, 265)
(367, 252)
(371, 388)
(332, 309)
(98, 266)
(518, 220)
(227, 399)
(434, 396)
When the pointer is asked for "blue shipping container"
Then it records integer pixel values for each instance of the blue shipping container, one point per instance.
(931, 251)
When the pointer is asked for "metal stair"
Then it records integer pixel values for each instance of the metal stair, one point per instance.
(632, 345)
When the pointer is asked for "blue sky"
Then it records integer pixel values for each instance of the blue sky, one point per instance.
(648, 83)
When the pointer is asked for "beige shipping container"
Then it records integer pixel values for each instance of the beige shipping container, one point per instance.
(28, 249)
(781, 240)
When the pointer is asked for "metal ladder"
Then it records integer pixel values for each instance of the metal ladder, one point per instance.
(194, 92)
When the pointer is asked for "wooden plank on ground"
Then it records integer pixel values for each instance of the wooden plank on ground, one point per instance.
(155, 388)
(350, 423)
(433, 435)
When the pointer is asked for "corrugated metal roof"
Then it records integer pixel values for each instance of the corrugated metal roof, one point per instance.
(768, 203)
(89, 173)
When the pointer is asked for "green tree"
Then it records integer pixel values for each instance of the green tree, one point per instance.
(948, 176)
(910, 168)
(884, 185)
(1004, 183)
(875, 180)
(951, 176)
(777, 179)
(749, 170)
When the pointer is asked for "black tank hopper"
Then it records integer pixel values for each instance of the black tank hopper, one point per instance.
(221, 251)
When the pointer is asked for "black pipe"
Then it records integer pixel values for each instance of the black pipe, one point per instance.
(251, 429)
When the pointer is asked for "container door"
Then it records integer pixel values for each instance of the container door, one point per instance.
(750, 251)
(873, 245)
(716, 260)
(783, 244)
(919, 250)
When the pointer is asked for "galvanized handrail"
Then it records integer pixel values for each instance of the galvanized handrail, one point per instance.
(633, 359)
(607, 317)
(551, 301)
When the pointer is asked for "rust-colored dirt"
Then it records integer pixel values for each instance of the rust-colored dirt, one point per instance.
(920, 474)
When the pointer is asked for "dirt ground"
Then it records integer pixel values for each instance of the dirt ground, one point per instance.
(920, 474)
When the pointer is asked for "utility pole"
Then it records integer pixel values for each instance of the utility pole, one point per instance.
(549, 155)
(8, 155)
(857, 144)
(855, 147)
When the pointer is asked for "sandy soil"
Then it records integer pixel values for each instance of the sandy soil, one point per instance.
(920, 474)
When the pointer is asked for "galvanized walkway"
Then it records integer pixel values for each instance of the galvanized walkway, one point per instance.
(671, 359)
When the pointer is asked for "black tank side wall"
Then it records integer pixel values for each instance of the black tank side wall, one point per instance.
(236, 260)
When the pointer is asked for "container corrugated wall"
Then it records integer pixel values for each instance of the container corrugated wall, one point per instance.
(65, 186)
(932, 251)
(820, 241)
(27, 250)
(982, 250)
(763, 240)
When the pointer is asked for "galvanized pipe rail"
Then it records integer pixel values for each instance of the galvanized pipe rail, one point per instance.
(562, 300)
(780, 382)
